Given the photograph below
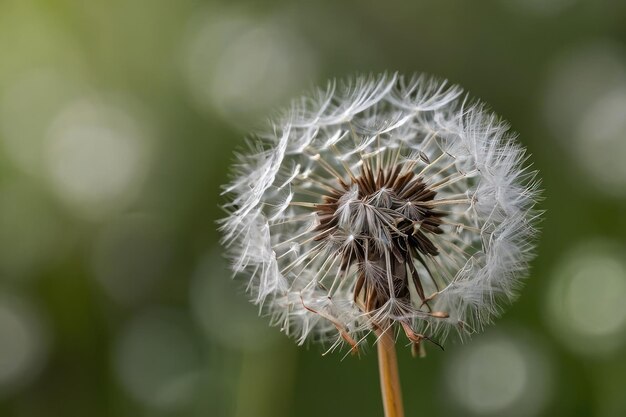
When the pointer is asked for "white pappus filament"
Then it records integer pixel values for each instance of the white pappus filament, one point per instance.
(382, 202)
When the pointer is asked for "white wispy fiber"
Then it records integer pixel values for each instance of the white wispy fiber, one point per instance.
(382, 202)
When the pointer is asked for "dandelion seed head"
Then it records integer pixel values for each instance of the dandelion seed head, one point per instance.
(382, 202)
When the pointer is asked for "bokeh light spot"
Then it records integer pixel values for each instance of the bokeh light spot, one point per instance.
(584, 106)
(157, 360)
(23, 344)
(97, 157)
(222, 309)
(498, 375)
(240, 66)
(577, 78)
(601, 141)
(585, 302)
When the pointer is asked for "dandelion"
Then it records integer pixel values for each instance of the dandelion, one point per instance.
(382, 204)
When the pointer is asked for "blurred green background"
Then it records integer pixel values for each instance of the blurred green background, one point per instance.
(117, 123)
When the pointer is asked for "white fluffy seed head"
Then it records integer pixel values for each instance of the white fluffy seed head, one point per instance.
(382, 202)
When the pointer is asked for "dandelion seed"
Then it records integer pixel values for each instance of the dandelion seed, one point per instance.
(384, 204)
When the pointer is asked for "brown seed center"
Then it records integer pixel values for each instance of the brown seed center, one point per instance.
(382, 222)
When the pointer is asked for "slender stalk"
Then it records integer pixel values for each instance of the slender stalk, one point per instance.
(389, 377)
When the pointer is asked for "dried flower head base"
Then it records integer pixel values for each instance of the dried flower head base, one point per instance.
(383, 204)
(385, 216)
